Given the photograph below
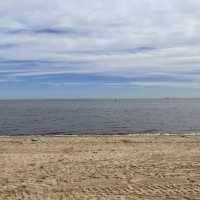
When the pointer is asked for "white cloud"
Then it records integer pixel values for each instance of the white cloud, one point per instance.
(105, 35)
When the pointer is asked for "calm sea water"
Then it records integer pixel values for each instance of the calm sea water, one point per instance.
(99, 116)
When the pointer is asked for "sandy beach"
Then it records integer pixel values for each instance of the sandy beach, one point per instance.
(147, 167)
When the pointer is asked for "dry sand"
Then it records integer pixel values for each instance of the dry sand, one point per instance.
(110, 167)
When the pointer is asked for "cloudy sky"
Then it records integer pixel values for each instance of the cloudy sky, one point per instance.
(104, 48)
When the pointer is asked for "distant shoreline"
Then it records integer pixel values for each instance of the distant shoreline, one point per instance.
(106, 98)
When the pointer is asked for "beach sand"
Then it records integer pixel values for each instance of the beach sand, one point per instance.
(147, 167)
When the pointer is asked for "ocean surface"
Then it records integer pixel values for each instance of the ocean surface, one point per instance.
(119, 116)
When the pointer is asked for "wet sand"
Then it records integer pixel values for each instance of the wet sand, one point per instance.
(148, 167)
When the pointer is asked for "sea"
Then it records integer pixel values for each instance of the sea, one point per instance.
(99, 116)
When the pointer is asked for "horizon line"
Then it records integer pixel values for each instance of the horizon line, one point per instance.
(98, 98)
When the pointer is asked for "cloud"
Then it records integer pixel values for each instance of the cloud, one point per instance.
(69, 32)
(114, 37)
(136, 81)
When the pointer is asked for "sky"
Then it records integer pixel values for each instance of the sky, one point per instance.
(99, 49)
